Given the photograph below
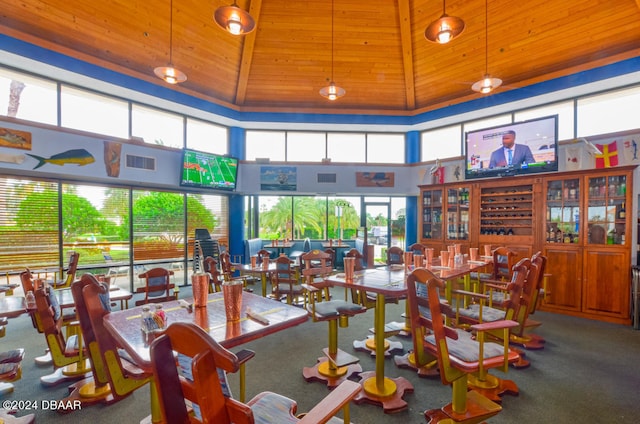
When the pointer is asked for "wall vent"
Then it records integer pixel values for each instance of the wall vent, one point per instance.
(141, 162)
(326, 178)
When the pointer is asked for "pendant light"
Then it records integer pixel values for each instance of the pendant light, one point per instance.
(332, 91)
(444, 29)
(168, 73)
(235, 20)
(488, 83)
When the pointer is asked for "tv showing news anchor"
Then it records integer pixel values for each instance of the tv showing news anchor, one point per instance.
(518, 148)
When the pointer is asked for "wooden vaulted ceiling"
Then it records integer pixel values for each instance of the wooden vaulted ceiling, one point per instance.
(380, 54)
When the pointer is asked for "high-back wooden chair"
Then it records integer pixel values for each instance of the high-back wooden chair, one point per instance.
(524, 272)
(286, 281)
(263, 255)
(331, 262)
(114, 377)
(417, 249)
(395, 256)
(228, 270)
(337, 365)
(195, 378)
(210, 266)
(522, 335)
(459, 355)
(67, 353)
(157, 286)
(70, 274)
(26, 279)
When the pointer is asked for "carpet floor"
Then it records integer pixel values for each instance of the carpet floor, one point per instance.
(588, 372)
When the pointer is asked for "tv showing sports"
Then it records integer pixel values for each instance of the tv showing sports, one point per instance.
(520, 148)
(208, 170)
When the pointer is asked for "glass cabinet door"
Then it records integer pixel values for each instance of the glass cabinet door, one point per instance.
(432, 214)
(458, 213)
(606, 209)
(563, 211)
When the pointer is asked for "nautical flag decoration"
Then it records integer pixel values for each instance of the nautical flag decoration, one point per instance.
(630, 151)
(574, 158)
(609, 156)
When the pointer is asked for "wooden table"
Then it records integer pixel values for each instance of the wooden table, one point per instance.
(279, 246)
(65, 298)
(258, 270)
(125, 325)
(12, 306)
(377, 388)
(389, 281)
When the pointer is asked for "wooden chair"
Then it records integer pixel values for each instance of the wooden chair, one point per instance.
(522, 335)
(524, 273)
(157, 286)
(67, 353)
(70, 274)
(503, 261)
(114, 377)
(262, 255)
(395, 256)
(418, 249)
(210, 266)
(286, 280)
(337, 365)
(332, 257)
(228, 270)
(459, 355)
(9, 417)
(195, 377)
(10, 371)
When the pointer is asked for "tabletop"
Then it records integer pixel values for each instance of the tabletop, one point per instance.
(125, 325)
(12, 306)
(65, 298)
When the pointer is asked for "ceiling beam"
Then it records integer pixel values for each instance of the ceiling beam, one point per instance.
(407, 52)
(247, 54)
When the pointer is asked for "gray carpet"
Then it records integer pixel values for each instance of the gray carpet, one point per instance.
(589, 372)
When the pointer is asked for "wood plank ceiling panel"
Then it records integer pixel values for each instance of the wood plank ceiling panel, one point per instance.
(380, 54)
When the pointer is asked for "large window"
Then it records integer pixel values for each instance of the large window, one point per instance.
(306, 146)
(25, 97)
(565, 114)
(385, 148)
(346, 147)
(441, 143)
(28, 224)
(608, 112)
(157, 127)
(96, 221)
(207, 137)
(265, 144)
(87, 111)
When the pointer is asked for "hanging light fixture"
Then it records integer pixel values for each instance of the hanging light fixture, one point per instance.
(332, 91)
(444, 29)
(235, 20)
(169, 73)
(488, 83)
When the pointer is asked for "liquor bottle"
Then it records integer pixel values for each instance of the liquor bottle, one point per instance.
(622, 213)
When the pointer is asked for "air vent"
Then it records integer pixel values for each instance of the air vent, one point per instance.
(326, 178)
(141, 162)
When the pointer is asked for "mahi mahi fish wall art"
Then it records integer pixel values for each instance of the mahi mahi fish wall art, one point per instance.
(78, 157)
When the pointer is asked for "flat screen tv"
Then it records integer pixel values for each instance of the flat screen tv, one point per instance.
(208, 170)
(535, 149)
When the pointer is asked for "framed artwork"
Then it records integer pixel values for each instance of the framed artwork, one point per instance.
(375, 179)
(278, 178)
(14, 138)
